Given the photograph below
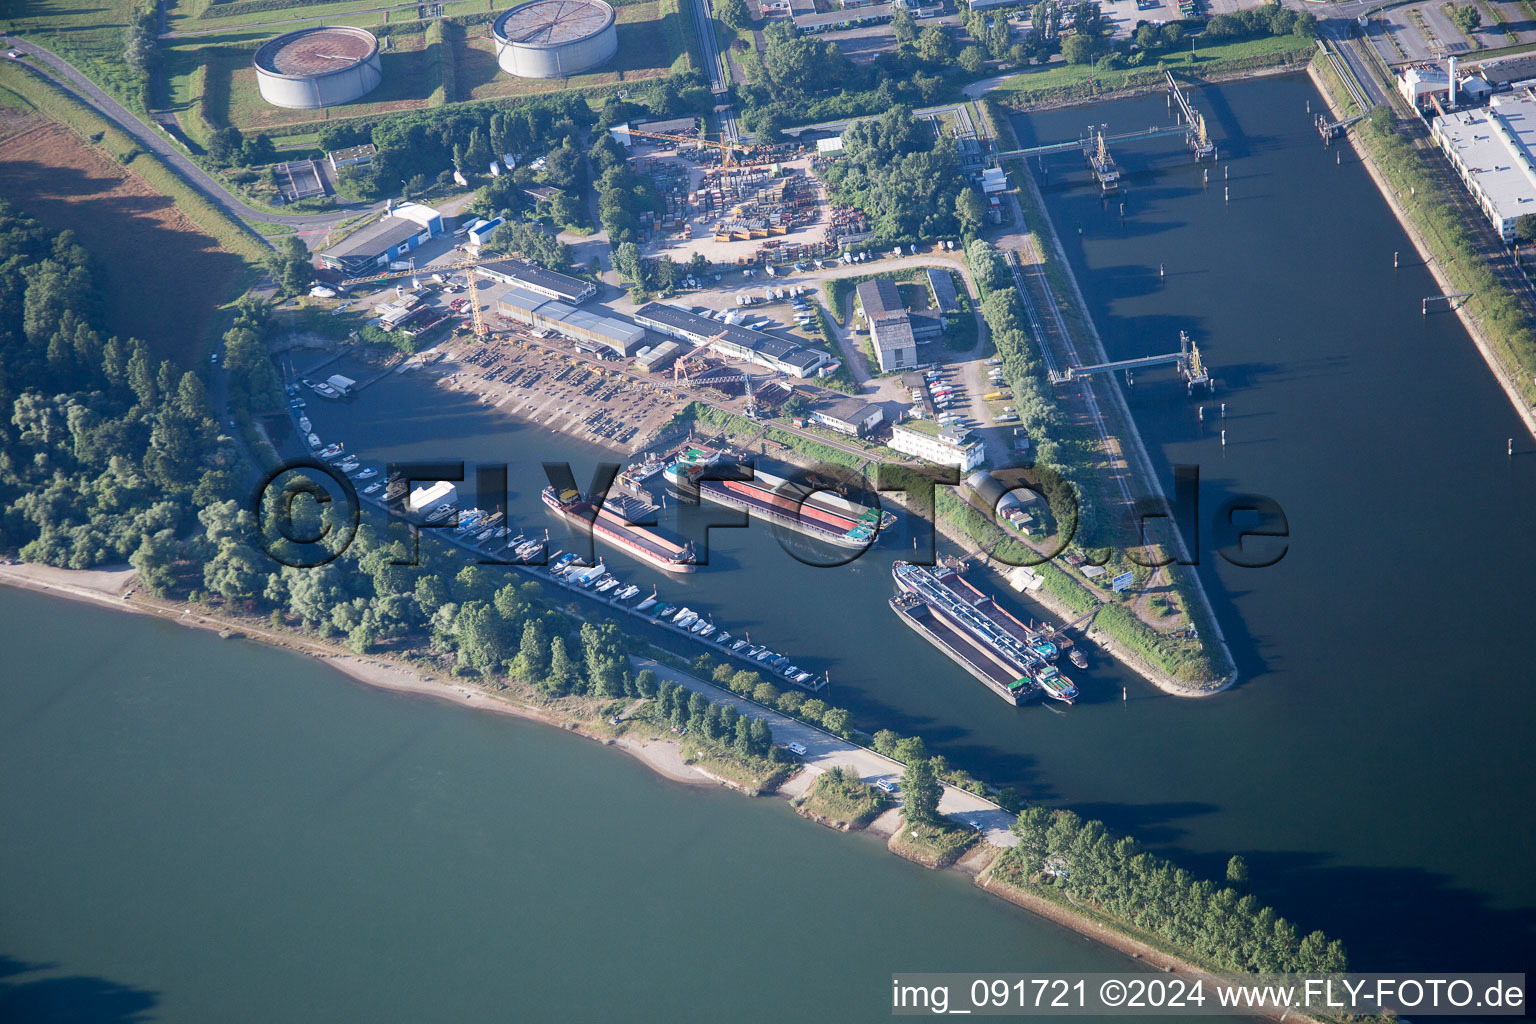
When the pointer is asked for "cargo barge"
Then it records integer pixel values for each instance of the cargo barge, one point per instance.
(820, 514)
(1013, 660)
(636, 541)
(961, 649)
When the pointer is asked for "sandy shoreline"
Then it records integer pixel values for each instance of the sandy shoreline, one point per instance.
(117, 589)
(1474, 329)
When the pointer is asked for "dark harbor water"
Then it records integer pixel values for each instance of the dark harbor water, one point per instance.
(1372, 766)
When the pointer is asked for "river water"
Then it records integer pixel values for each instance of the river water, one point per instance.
(211, 830)
(1371, 766)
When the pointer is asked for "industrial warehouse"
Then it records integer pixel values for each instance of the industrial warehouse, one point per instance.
(530, 277)
(318, 67)
(1491, 147)
(732, 341)
(895, 331)
(399, 231)
(590, 329)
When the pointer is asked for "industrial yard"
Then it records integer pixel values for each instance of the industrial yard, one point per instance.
(554, 390)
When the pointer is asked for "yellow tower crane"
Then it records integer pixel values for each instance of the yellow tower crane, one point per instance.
(727, 148)
(476, 317)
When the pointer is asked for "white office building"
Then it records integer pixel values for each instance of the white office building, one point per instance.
(946, 446)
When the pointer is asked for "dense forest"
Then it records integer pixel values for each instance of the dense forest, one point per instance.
(1224, 925)
(103, 449)
(909, 182)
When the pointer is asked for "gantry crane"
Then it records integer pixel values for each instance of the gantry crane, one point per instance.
(727, 148)
(476, 318)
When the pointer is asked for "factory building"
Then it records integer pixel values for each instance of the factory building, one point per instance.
(555, 38)
(585, 329)
(318, 67)
(1510, 74)
(946, 446)
(848, 416)
(731, 340)
(374, 247)
(352, 156)
(658, 358)
(996, 497)
(942, 285)
(531, 277)
(1491, 148)
(895, 332)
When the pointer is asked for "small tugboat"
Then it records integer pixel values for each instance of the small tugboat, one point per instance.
(1078, 658)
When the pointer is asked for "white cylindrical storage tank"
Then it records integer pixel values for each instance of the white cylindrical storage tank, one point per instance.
(318, 67)
(555, 38)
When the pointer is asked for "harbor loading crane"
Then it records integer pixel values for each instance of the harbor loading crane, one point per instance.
(477, 319)
(727, 148)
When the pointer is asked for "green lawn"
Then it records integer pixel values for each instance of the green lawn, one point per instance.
(844, 799)
(88, 34)
(211, 83)
(202, 17)
(1063, 81)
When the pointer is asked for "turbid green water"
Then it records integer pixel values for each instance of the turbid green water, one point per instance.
(209, 830)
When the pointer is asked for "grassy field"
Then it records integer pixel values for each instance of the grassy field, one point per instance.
(210, 82)
(937, 845)
(152, 257)
(201, 17)
(24, 88)
(88, 34)
(1080, 81)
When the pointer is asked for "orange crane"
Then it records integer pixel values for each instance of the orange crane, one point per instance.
(476, 317)
(727, 149)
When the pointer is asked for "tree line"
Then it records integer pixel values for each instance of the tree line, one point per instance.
(1056, 448)
(1219, 925)
(104, 448)
(712, 721)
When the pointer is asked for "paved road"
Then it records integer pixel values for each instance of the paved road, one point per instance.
(47, 64)
(1338, 34)
(823, 750)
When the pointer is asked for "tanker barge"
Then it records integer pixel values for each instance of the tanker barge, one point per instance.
(636, 541)
(1013, 661)
(791, 503)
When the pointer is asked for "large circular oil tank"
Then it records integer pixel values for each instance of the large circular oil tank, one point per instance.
(318, 67)
(555, 38)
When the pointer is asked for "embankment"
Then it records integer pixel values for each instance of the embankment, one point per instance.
(1500, 351)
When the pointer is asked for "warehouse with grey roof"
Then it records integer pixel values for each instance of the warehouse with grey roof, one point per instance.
(731, 340)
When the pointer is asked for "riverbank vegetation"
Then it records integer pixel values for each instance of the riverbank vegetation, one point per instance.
(1064, 858)
(905, 178)
(107, 450)
(1208, 56)
(841, 798)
